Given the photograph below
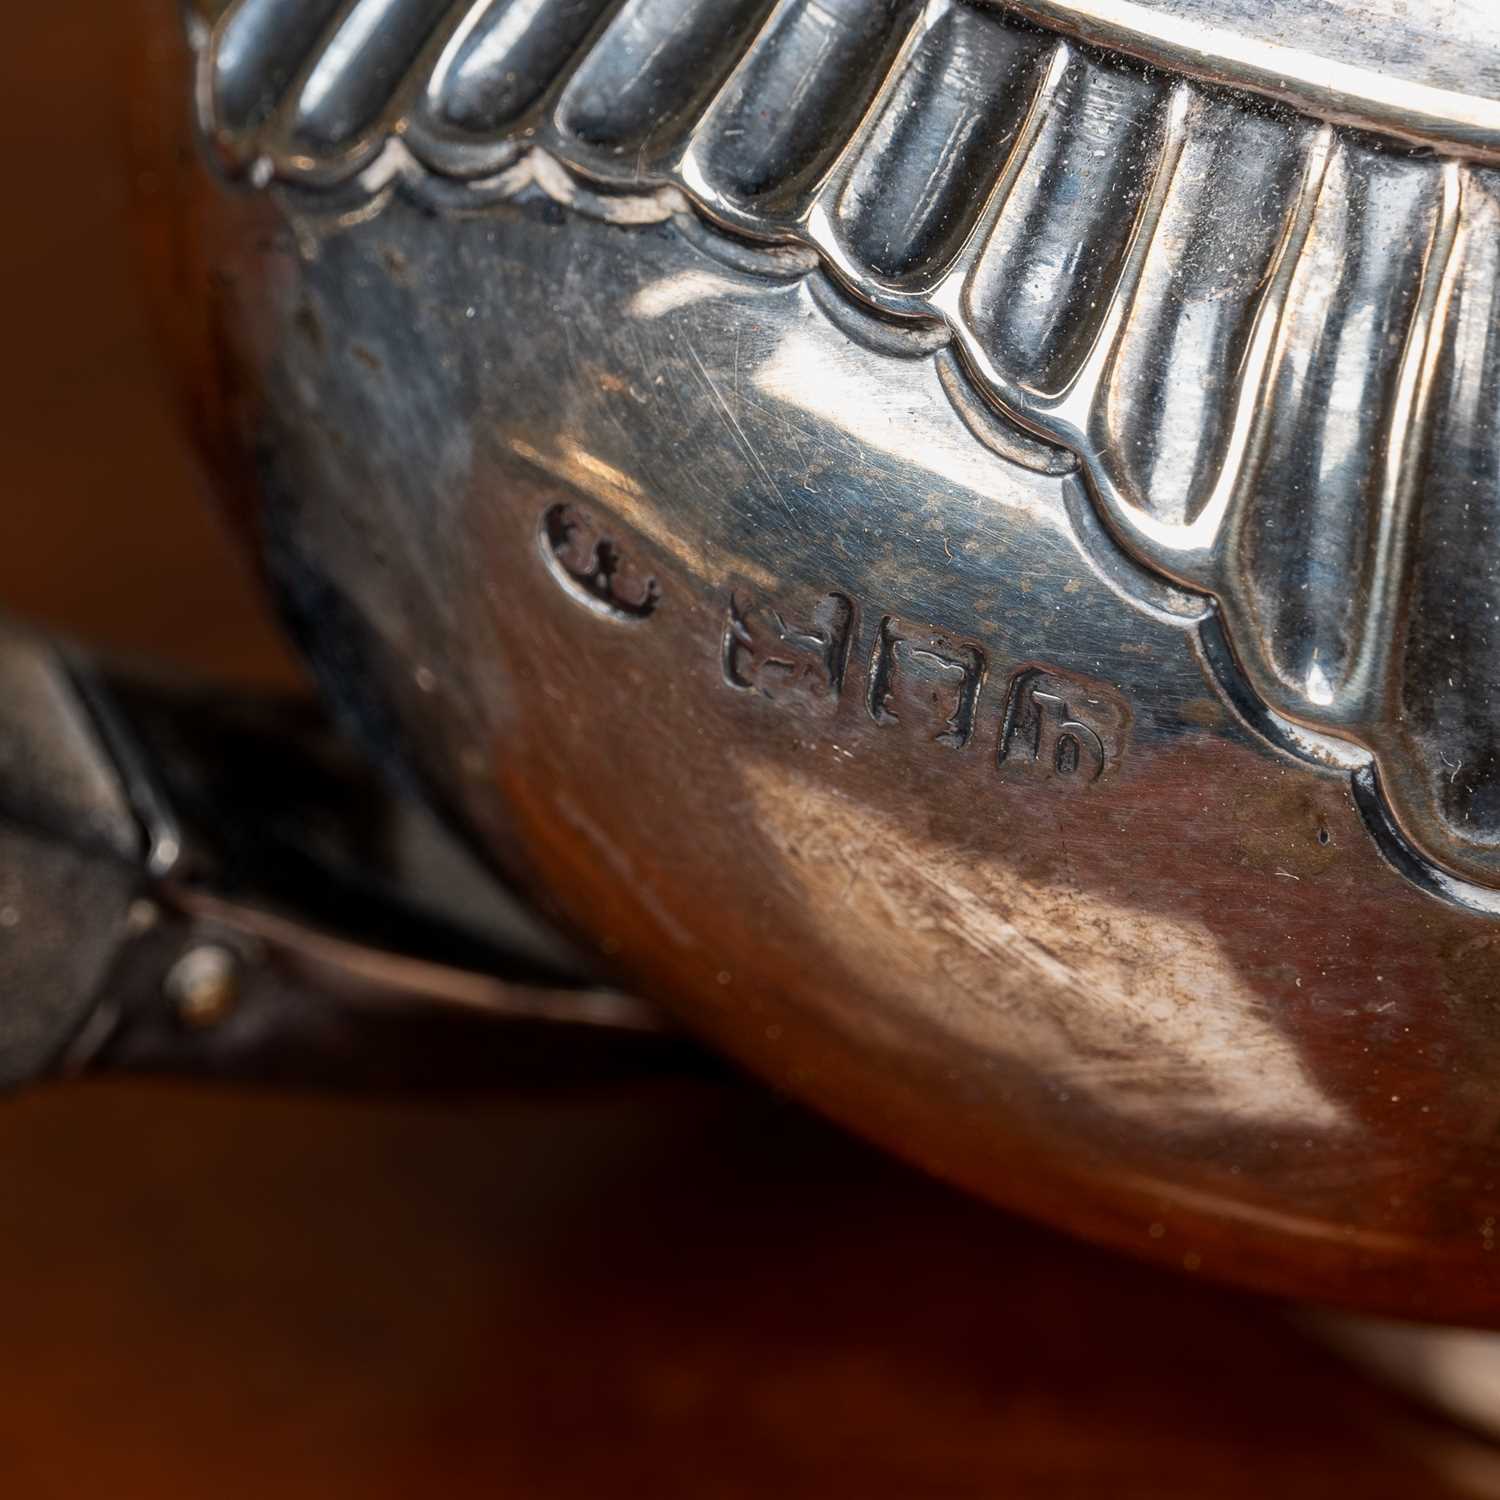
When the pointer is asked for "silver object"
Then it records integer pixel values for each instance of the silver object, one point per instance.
(1264, 339)
(950, 541)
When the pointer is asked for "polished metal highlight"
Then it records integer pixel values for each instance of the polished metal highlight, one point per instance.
(952, 542)
(1266, 339)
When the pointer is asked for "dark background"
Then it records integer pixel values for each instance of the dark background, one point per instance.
(682, 1291)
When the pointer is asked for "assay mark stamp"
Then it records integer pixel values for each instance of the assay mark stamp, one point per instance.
(586, 559)
(922, 675)
(762, 652)
(915, 679)
(924, 682)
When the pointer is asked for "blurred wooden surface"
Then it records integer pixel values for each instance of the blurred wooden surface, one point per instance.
(106, 534)
(686, 1295)
(684, 1292)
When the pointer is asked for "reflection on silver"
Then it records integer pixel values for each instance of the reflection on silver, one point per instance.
(1140, 1017)
(1456, 1370)
(963, 560)
(1268, 339)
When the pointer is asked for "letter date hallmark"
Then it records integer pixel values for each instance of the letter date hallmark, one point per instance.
(1042, 731)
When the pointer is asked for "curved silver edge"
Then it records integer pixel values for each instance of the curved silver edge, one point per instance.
(1364, 776)
(358, 195)
(1454, 123)
(399, 171)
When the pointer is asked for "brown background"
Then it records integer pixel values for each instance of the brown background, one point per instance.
(686, 1291)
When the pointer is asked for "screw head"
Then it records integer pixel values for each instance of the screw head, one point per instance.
(205, 985)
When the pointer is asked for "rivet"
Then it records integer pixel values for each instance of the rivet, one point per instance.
(205, 985)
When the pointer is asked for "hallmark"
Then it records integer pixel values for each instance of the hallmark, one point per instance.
(762, 651)
(1050, 726)
(1042, 731)
(921, 677)
(591, 566)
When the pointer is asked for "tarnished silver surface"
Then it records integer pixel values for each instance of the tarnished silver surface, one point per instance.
(963, 560)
